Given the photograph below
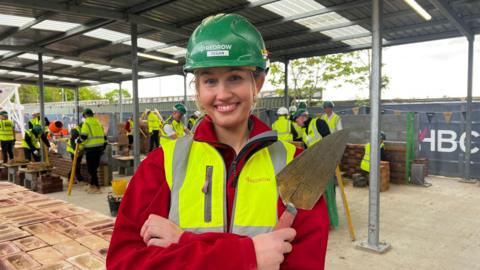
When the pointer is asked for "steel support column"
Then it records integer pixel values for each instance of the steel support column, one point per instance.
(287, 101)
(41, 91)
(373, 243)
(185, 117)
(120, 102)
(468, 129)
(77, 105)
(136, 114)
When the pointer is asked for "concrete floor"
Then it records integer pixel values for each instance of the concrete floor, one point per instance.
(428, 228)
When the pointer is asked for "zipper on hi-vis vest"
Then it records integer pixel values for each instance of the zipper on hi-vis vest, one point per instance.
(207, 191)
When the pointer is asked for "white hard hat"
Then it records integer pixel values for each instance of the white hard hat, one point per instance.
(197, 113)
(292, 108)
(282, 111)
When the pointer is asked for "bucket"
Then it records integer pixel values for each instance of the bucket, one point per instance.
(114, 204)
(119, 186)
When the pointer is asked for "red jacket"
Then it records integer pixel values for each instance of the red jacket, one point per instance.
(148, 193)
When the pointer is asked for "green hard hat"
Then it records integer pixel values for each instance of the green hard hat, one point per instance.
(37, 130)
(328, 104)
(3, 113)
(302, 105)
(179, 107)
(299, 112)
(88, 111)
(225, 40)
(382, 135)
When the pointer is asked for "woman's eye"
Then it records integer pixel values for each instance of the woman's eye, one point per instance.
(210, 81)
(235, 78)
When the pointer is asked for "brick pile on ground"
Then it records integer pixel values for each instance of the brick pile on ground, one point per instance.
(48, 183)
(394, 153)
(63, 165)
(40, 232)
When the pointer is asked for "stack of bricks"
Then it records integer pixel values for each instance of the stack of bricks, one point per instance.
(48, 183)
(352, 157)
(394, 153)
(63, 166)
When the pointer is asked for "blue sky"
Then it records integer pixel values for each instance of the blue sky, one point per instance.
(421, 70)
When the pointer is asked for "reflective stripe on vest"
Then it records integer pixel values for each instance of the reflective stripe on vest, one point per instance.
(333, 122)
(313, 135)
(6, 130)
(200, 205)
(153, 122)
(283, 126)
(94, 131)
(33, 139)
(365, 165)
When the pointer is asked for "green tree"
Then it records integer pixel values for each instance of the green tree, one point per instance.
(113, 95)
(310, 77)
(31, 94)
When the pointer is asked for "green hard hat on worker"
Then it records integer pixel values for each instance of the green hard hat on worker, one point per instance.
(225, 40)
(179, 107)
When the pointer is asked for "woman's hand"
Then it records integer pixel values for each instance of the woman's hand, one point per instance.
(159, 231)
(270, 247)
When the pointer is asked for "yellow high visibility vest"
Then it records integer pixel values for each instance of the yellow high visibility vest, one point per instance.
(35, 122)
(199, 204)
(177, 126)
(131, 127)
(283, 126)
(313, 135)
(153, 122)
(6, 130)
(333, 122)
(300, 130)
(94, 131)
(192, 121)
(365, 165)
(33, 139)
(70, 148)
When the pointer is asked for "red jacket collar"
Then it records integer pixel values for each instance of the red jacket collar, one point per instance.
(205, 131)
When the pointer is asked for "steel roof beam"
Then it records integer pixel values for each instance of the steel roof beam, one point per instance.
(148, 5)
(34, 82)
(453, 17)
(247, 5)
(350, 48)
(12, 31)
(54, 74)
(98, 13)
(312, 13)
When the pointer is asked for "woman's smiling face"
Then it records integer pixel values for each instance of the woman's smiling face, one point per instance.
(227, 94)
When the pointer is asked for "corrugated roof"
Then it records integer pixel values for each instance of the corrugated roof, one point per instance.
(90, 40)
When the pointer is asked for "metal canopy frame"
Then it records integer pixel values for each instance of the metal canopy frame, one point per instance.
(285, 37)
(170, 23)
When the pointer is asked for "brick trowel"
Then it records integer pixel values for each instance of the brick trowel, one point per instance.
(302, 182)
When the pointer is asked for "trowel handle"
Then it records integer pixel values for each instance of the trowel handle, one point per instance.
(287, 217)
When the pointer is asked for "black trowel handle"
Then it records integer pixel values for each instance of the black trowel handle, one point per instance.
(287, 217)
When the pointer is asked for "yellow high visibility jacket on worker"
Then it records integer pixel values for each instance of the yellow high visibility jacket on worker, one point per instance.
(283, 126)
(191, 122)
(130, 122)
(300, 130)
(365, 165)
(333, 122)
(34, 122)
(33, 139)
(6, 130)
(70, 144)
(93, 129)
(255, 207)
(176, 125)
(312, 136)
(153, 122)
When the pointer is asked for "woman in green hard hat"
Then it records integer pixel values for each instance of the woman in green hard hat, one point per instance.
(210, 201)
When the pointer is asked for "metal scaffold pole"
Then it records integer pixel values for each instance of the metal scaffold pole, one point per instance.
(136, 114)
(373, 243)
